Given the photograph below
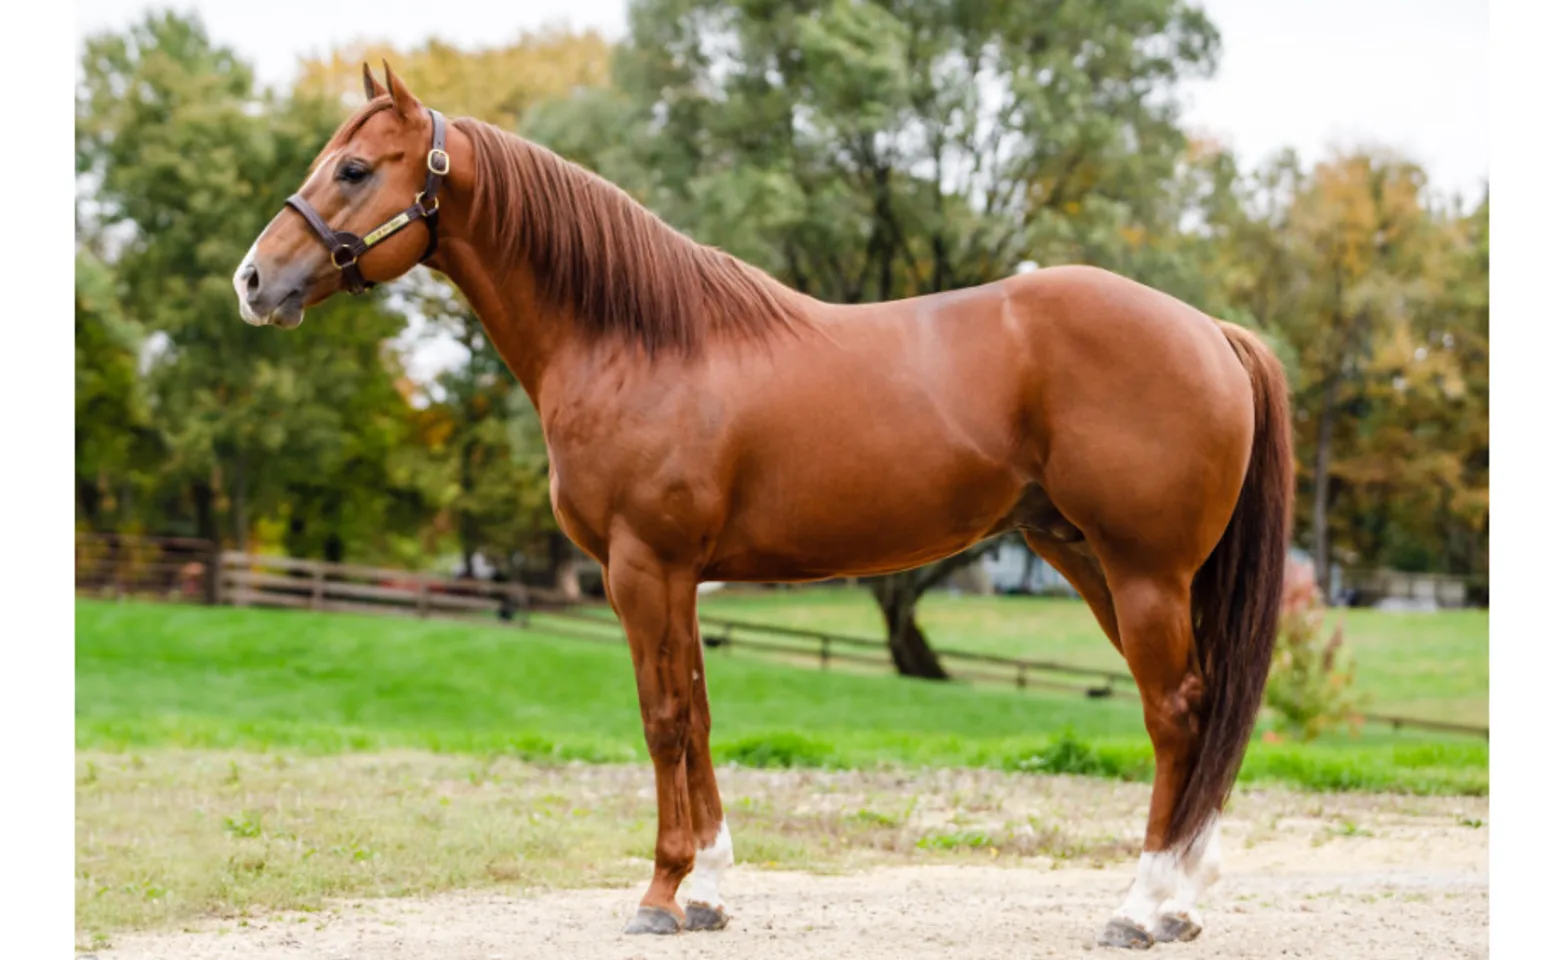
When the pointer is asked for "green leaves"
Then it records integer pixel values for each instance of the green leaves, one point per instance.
(185, 163)
(868, 151)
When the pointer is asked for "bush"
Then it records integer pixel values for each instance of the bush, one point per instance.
(1310, 687)
(1067, 754)
(766, 751)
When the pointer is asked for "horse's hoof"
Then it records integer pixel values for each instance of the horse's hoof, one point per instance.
(653, 920)
(1125, 934)
(699, 916)
(1176, 926)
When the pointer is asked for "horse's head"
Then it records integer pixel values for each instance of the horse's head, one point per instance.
(347, 227)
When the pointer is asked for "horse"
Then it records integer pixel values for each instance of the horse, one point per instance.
(705, 422)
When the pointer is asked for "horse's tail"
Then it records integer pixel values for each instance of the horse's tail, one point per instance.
(1237, 597)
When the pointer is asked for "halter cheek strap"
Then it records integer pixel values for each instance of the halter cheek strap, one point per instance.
(346, 248)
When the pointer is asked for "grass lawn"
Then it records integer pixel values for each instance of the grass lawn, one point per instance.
(1432, 666)
(150, 676)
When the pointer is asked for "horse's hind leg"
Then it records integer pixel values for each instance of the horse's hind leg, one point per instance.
(1079, 565)
(1157, 637)
(1161, 641)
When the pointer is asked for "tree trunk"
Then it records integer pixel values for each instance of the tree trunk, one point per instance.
(206, 520)
(240, 519)
(1321, 519)
(910, 649)
(897, 597)
(89, 499)
(466, 525)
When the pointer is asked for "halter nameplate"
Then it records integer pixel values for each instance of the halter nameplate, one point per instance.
(386, 229)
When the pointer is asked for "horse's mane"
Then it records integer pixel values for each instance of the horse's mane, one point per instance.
(608, 261)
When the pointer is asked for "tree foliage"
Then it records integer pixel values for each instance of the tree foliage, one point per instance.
(498, 84)
(186, 163)
(1375, 291)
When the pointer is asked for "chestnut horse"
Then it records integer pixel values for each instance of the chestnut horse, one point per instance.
(705, 422)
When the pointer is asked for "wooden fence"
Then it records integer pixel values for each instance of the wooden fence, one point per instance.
(249, 580)
(817, 648)
(823, 649)
(162, 568)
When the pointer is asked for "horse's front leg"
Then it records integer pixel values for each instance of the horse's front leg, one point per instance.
(656, 604)
(713, 845)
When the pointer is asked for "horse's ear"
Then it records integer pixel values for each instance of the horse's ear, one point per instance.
(406, 104)
(372, 87)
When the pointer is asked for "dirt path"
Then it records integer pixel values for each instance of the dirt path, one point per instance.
(1306, 876)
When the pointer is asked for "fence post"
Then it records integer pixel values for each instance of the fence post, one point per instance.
(423, 597)
(318, 587)
(825, 651)
(214, 574)
(239, 595)
(1020, 676)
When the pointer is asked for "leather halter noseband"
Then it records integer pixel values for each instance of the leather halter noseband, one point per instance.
(346, 248)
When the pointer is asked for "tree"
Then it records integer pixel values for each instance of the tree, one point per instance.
(113, 430)
(1375, 295)
(185, 164)
(878, 150)
(497, 84)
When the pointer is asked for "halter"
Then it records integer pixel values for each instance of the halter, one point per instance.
(346, 248)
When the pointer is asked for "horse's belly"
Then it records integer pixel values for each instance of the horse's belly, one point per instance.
(816, 520)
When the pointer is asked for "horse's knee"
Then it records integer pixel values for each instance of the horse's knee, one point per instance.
(667, 735)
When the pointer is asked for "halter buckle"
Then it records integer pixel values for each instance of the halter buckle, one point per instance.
(443, 167)
(340, 264)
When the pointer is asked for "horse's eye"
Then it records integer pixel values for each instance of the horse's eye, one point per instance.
(353, 173)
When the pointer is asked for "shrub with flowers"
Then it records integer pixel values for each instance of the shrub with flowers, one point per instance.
(1310, 687)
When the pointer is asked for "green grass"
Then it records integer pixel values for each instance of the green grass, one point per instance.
(1432, 666)
(150, 675)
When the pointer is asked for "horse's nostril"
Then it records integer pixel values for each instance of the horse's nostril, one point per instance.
(252, 280)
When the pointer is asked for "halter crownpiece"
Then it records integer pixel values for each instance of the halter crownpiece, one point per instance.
(346, 248)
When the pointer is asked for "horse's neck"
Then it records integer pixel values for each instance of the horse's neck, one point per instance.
(529, 339)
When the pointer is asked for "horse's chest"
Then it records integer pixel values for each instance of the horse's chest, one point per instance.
(575, 511)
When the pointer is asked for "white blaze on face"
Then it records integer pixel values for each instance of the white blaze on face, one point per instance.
(705, 882)
(245, 312)
(240, 283)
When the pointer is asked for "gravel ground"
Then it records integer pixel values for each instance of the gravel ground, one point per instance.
(1306, 875)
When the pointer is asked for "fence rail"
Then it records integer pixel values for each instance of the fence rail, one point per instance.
(249, 580)
(805, 646)
(170, 568)
(166, 566)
